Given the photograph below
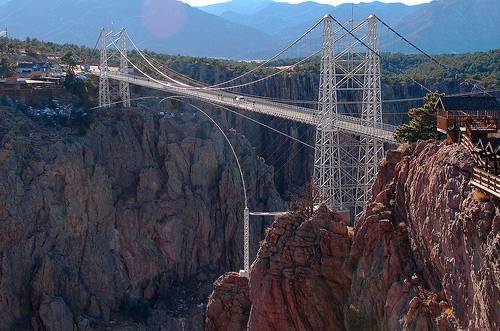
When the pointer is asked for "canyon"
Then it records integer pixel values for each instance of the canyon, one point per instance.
(124, 225)
(423, 256)
(130, 219)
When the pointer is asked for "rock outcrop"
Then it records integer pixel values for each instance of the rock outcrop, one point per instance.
(124, 225)
(229, 305)
(424, 256)
(301, 274)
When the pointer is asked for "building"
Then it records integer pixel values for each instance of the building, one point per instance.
(13, 84)
(475, 115)
(26, 68)
(473, 122)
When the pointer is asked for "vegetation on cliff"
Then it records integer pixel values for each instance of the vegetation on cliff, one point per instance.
(422, 124)
(483, 67)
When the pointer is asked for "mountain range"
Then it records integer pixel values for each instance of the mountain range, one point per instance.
(249, 28)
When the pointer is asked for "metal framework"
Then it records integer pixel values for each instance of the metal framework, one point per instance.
(326, 176)
(124, 88)
(349, 136)
(104, 94)
(345, 164)
(371, 149)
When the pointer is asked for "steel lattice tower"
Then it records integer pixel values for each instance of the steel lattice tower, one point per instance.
(326, 177)
(124, 86)
(104, 95)
(345, 165)
(371, 150)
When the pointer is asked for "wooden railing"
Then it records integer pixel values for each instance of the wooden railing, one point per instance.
(481, 179)
(486, 181)
(467, 143)
(478, 120)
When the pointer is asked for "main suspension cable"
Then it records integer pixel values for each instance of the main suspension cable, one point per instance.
(378, 54)
(217, 86)
(430, 57)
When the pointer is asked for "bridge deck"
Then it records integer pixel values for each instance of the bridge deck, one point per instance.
(347, 123)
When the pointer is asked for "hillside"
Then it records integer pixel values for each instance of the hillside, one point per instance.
(241, 7)
(171, 26)
(442, 26)
(243, 29)
(285, 21)
(454, 26)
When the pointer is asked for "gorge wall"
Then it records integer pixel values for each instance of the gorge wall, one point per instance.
(123, 224)
(424, 256)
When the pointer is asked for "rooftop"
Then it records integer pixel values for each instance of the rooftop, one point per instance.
(469, 103)
(25, 65)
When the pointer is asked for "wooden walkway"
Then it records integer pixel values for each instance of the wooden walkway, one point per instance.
(486, 182)
(484, 176)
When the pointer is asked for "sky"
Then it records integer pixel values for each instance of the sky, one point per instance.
(330, 2)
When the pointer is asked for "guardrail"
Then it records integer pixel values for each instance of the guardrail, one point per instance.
(486, 181)
(467, 143)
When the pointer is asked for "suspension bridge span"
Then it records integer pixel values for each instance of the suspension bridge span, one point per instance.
(350, 124)
(348, 146)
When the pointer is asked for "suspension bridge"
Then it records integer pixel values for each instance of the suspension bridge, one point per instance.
(348, 145)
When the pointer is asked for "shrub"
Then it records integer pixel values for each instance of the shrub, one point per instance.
(378, 208)
(422, 125)
(305, 204)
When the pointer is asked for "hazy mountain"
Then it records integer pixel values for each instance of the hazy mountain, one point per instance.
(279, 17)
(245, 7)
(167, 26)
(439, 26)
(454, 26)
(249, 28)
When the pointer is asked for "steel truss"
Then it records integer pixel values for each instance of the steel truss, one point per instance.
(104, 94)
(345, 164)
(124, 88)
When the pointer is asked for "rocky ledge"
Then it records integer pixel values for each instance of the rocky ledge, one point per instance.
(424, 256)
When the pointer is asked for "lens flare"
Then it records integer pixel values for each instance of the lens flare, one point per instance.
(163, 18)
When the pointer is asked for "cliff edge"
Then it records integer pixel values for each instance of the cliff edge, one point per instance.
(424, 256)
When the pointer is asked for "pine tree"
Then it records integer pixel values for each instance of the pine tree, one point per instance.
(422, 125)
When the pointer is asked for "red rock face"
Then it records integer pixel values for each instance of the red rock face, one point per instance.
(424, 256)
(229, 305)
(301, 275)
(454, 234)
(126, 225)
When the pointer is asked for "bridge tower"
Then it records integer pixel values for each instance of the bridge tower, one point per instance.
(104, 94)
(327, 176)
(371, 150)
(345, 165)
(124, 86)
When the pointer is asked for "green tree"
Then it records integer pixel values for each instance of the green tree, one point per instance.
(422, 125)
(5, 66)
(69, 60)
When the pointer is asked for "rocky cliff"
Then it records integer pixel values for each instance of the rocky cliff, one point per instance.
(123, 224)
(424, 256)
